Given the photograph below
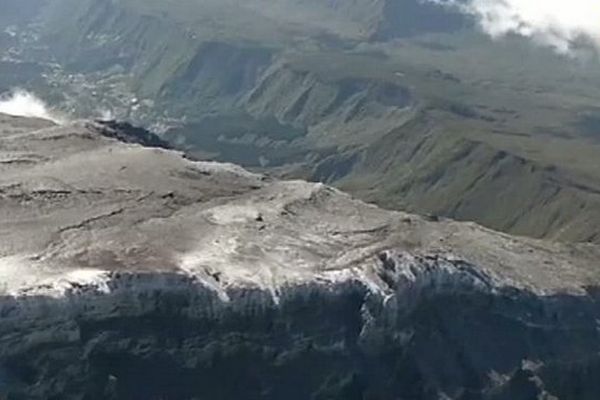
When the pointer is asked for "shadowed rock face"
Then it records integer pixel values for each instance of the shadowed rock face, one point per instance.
(131, 272)
(166, 337)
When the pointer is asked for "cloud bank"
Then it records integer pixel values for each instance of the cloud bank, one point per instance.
(564, 25)
(21, 103)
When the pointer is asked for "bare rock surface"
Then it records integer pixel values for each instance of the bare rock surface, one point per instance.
(74, 203)
(95, 232)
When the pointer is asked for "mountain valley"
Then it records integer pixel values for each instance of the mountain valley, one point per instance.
(407, 105)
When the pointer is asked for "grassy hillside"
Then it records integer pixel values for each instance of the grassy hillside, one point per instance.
(464, 176)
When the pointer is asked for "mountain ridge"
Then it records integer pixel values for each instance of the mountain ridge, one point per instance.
(197, 270)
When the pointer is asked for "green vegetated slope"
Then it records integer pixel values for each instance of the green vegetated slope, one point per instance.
(401, 103)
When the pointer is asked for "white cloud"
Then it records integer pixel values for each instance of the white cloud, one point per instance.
(560, 24)
(21, 103)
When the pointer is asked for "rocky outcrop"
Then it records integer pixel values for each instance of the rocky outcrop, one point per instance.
(442, 329)
(132, 272)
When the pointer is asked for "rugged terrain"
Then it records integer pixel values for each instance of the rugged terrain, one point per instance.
(131, 271)
(402, 103)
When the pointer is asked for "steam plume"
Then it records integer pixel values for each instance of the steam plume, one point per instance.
(24, 104)
(560, 24)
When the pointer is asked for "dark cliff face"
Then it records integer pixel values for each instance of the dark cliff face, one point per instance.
(127, 133)
(177, 340)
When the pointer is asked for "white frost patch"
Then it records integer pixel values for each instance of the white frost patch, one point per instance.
(105, 114)
(20, 277)
(232, 214)
(21, 103)
(58, 286)
(13, 274)
(196, 263)
(242, 263)
(90, 277)
(218, 167)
